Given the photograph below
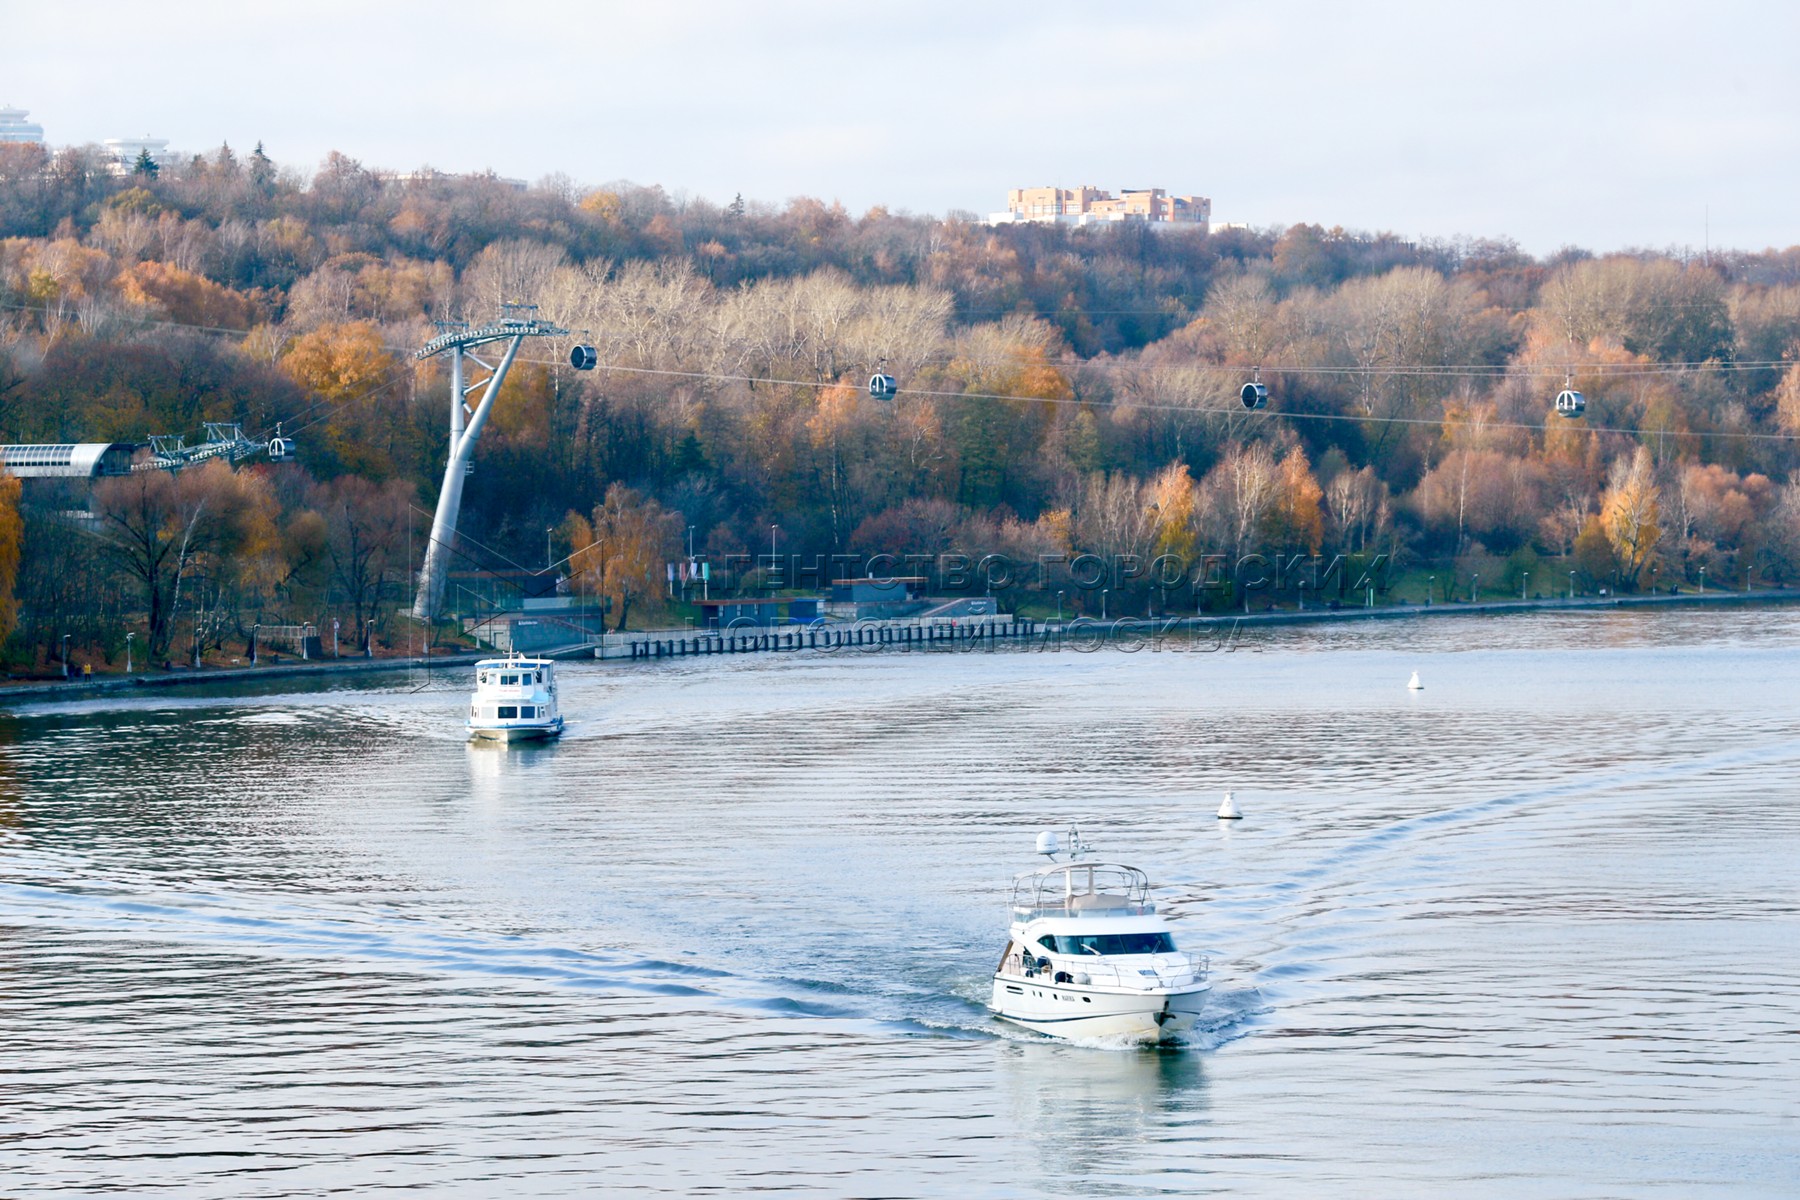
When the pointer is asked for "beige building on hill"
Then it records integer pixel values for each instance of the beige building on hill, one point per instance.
(1090, 206)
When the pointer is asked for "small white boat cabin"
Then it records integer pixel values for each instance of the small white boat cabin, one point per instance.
(514, 700)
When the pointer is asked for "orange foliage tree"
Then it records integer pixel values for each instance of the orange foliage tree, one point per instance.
(185, 297)
(348, 369)
(621, 553)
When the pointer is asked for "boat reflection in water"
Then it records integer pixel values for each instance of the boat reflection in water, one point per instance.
(1094, 1113)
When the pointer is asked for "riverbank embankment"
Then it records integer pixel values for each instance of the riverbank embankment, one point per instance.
(899, 634)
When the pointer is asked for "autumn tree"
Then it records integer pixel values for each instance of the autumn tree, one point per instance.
(1629, 513)
(1484, 494)
(161, 528)
(623, 551)
(1360, 510)
(1172, 502)
(366, 528)
(1240, 493)
(352, 375)
(185, 297)
(1297, 519)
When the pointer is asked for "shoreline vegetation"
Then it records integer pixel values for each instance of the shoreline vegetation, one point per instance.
(1097, 631)
(1059, 393)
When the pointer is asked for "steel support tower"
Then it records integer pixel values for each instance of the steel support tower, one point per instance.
(460, 340)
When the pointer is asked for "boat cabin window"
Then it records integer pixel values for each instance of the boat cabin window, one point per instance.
(509, 681)
(1114, 943)
(528, 711)
(481, 677)
(508, 712)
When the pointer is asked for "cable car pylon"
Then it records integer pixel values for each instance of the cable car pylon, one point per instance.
(517, 322)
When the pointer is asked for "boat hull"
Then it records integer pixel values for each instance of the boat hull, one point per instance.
(1073, 1011)
(516, 733)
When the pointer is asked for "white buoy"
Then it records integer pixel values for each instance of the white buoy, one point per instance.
(1413, 684)
(1228, 809)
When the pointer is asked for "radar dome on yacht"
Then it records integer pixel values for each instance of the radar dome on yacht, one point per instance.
(1047, 843)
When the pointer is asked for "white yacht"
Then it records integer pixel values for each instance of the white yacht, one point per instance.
(514, 700)
(1090, 957)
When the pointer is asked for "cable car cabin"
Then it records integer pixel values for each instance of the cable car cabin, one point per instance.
(583, 358)
(1570, 403)
(281, 450)
(882, 386)
(1255, 396)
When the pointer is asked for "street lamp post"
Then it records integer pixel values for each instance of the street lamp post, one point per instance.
(129, 638)
(1059, 600)
(1430, 587)
(255, 643)
(772, 568)
(1703, 581)
(1524, 581)
(334, 638)
(1103, 592)
(547, 531)
(1474, 588)
(1571, 585)
(65, 655)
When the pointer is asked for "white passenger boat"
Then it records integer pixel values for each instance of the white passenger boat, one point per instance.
(1090, 957)
(514, 700)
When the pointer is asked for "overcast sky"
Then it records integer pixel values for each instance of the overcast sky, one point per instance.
(1604, 125)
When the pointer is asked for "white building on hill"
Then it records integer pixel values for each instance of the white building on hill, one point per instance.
(1089, 205)
(15, 128)
(125, 151)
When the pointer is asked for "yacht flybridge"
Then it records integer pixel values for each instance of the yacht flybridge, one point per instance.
(1090, 957)
(514, 700)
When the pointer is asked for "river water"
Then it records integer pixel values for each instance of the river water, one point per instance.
(1532, 930)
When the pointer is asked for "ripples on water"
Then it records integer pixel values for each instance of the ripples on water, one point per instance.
(1530, 931)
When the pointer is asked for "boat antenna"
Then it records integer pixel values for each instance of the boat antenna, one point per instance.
(1049, 845)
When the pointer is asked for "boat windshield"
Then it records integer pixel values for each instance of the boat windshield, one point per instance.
(1114, 943)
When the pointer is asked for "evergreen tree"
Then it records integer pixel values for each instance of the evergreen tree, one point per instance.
(262, 170)
(736, 208)
(145, 165)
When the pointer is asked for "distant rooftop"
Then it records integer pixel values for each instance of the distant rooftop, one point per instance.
(15, 128)
(1089, 205)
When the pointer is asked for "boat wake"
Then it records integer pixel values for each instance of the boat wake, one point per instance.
(41, 892)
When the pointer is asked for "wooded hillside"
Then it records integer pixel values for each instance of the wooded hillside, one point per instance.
(1062, 391)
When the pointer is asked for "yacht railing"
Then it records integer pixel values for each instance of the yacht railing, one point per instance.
(1060, 909)
(1084, 889)
(1172, 969)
